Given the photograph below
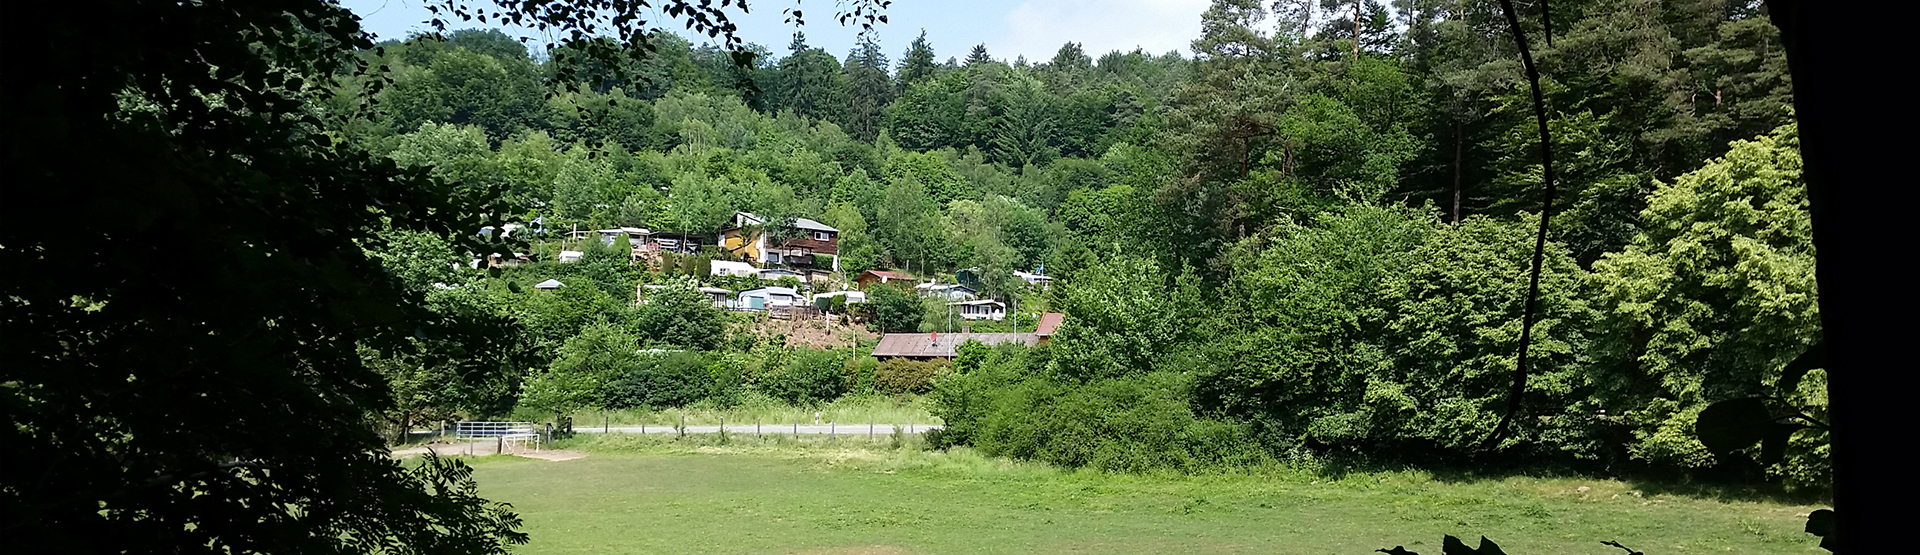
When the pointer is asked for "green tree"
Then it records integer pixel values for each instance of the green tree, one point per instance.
(916, 65)
(810, 83)
(1712, 300)
(869, 90)
(585, 363)
(895, 311)
(679, 315)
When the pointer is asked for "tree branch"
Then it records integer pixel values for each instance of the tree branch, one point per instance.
(1540, 240)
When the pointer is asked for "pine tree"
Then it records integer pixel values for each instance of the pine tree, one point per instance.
(809, 83)
(978, 55)
(918, 62)
(870, 90)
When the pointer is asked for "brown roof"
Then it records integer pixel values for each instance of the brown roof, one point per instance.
(942, 345)
(888, 275)
(1048, 322)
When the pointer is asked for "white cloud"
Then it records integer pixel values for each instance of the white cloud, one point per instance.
(1037, 28)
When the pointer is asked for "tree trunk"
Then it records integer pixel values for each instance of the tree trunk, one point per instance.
(1356, 35)
(1459, 140)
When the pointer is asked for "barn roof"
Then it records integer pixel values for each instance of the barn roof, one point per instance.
(1048, 323)
(942, 345)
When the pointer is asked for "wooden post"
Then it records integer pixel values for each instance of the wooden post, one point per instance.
(869, 428)
(606, 424)
(909, 426)
(499, 444)
(796, 427)
(643, 424)
(830, 430)
(756, 427)
(683, 425)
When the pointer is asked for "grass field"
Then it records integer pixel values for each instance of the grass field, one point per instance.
(778, 495)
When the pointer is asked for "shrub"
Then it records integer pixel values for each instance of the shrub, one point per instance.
(860, 375)
(1118, 424)
(812, 377)
(900, 376)
(665, 380)
(894, 310)
(584, 363)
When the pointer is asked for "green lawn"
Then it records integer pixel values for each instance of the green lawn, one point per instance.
(656, 495)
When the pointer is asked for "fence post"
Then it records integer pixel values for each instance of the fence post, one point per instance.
(643, 424)
(830, 430)
(683, 424)
(499, 444)
(606, 424)
(723, 426)
(796, 427)
(909, 426)
(756, 427)
(549, 440)
(869, 428)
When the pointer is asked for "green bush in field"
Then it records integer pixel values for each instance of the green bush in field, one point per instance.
(900, 376)
(583, 365)
(860, 375)
(1118, 424)
(811, 377)
(729, 380)
(663, 380)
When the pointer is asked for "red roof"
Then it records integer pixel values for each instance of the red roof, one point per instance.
(1048, 322)
(889, 275)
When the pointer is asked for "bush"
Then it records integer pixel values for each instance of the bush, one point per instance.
(898, 376)
(860, 374)
(895, 310)
(1119, 424)
(583, 365)
(680, 315)
(812, 377)
(666, 380)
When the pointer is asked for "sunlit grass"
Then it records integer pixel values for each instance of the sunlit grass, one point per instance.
(778, 494)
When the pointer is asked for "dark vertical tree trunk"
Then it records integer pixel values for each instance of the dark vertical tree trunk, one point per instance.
(1849, 168)
(1459, 140)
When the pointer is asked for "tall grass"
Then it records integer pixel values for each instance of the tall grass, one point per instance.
(848, 411)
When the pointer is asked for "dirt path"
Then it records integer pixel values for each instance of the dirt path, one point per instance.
(487, 448)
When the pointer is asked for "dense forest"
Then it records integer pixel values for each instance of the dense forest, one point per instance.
(1309, 237)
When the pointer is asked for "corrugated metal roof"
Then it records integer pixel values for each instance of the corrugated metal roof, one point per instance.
(889, 275)
(802, 223)
(942, 345)
(1048, 323)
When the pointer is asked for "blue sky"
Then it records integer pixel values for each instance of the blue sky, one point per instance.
(1034, 28)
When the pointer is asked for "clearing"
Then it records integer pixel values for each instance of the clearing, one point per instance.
(658, 495)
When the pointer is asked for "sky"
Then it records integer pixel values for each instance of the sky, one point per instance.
(1031, 28)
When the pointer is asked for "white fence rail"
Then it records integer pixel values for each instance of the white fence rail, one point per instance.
(502, 433)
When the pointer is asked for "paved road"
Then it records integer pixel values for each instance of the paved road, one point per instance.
(768, 428)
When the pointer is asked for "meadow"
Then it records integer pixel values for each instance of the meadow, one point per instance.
(737, 494)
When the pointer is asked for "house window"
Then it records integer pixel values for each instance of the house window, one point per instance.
(822, 236)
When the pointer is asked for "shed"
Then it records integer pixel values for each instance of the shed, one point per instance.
(929, 346)
(760, 299)
(1049, 323)
(880, 276)
(733, 268)
(549, 284)
(983, 309)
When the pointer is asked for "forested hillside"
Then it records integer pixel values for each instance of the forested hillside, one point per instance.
(1309, 236)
